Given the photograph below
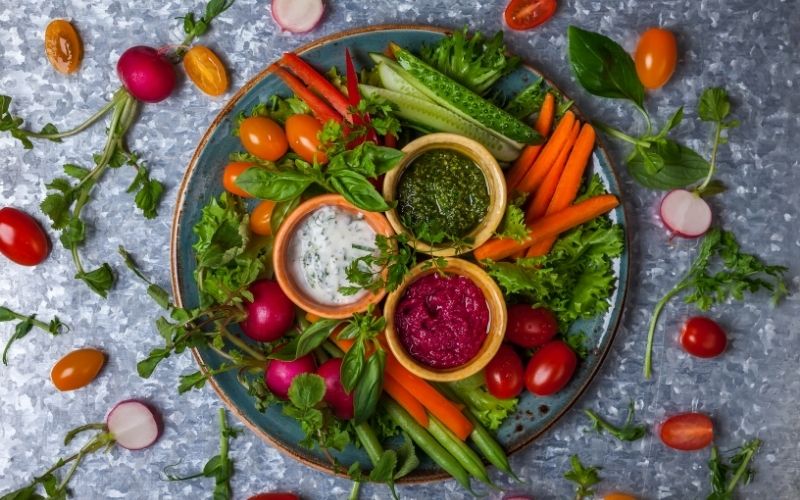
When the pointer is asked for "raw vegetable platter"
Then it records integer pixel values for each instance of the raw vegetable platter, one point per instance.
(202, 183)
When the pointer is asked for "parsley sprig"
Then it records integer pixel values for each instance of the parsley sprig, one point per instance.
(722, 487)
(25, 325)
(737, 273)
(626, 432)
(584, 478)
(384, 267)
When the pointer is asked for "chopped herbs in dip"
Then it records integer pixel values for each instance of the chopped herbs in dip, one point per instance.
(442, 196)
(322, 247)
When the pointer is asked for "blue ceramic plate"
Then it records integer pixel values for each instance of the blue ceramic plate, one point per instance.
(202, 182)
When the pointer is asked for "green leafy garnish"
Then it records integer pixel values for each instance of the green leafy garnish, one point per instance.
(195, 27)
(626, 432)
(722, 488)
(13, 125)
(528, 101)
(583, 477)
(362, 374)
(489, 410)
(737, 273)
(392, 256)
(309, 339)
(714, 107)
(513, 224)
(317, 422)
(25, 325)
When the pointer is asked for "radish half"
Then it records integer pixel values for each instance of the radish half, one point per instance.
(685, 213)
(133, 424)
(297, 16)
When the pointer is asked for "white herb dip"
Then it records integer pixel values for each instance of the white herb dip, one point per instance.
(322, 247)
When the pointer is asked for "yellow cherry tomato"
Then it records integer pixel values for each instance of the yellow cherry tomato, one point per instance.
(263, 137)
(77, 369)
(260, 218)
(63, 46)
(206, 70)
(656, 57)
(232, 171)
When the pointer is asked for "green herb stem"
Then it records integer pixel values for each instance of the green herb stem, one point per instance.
(241, 344)
(747, 455)
(32, 318)
(621, 135)
(712, 164)
(86, 124)
(651, 331)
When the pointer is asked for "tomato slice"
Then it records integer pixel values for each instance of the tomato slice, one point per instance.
(687, 431)
(527, 14)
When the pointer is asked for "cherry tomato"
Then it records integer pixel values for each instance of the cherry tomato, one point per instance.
(275, 496)
(22, 239)
(229, 175)
(504, 374)
(656, 57)
(263, 137)
(77, 369)
(527, 14)
(687, 431)
(303, 134)
(703, 337)
(206, 70)
(530, 326)
(550, 368)
(618, 496)
(260, 218)
(63, 46)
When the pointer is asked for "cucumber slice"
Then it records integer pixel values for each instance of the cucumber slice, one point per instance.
(391, 79)
(431, 116)
(460, 99)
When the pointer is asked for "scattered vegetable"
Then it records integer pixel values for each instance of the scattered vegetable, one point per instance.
(63, 46)
(133, 424)
(280, 374)
(504, 374)
(530, 327)
(626, 432)
(656, 57)
(261, 218)
(550, 368)
(297, 16)
(687, 431)
(584, 478)
(270, 313)
(22, 239)
(25, 325)
(528, 14)
(77, 369)
(703, 337)
(685, 213)
(264, 138)
(206, 70)
(146, 73)
(722, 488)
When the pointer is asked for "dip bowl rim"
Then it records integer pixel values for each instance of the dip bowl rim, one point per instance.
(495, 184)
(284, 276)
(498, 317)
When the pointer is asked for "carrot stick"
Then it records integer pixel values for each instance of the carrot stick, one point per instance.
(544, 194)
(405, 399)
(317, 82)
(537, 172)
(550, 225)
(544, 122)
(322, 111)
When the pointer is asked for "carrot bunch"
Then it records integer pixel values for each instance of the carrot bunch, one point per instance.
(551, 175)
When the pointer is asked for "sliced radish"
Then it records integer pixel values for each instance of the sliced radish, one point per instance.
(297, 16)
(685, 213)
(133, 424)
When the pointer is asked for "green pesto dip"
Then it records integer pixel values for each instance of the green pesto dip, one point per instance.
(442, 196)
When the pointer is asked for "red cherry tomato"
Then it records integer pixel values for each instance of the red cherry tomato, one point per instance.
(703, 337)
(504, 374)
(656, 57)
(527, 14)
(687, 431)
(530, 326)
(550, 368)
(263, 138)
(302, 131)
(275, 496)
(22, 239)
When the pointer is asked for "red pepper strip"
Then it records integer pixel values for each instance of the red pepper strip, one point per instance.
(320, 108)
(390, 141)
(317, 82)
(354, 96)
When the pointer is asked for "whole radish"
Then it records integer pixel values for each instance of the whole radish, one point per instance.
(147, 73)
(270, 315)
(279, 374)
(685, 213)
(335, 395)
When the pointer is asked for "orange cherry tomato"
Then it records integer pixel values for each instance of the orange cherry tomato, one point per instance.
(77, 369)
(302, 131)
(656, 57)
(527, 14)
(63, 46)
(206, 70)
(263, 137)
(229, 175)
(260, 218)
(618, 496)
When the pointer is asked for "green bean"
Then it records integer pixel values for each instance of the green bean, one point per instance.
(369, 440)
(424, 440)
(460, 450)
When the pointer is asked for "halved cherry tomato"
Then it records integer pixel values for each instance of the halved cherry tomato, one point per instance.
(63, 46)
(687, 431)
(527, 14)
(703, 337)
(550, 369)
(530, 326)
(263, 137)
(206, 70)
(504, 374)
(275, 496)
(302, 131)
(22, 239)
(260, 218)
(77, 369)
(229, 175)
(656, 57)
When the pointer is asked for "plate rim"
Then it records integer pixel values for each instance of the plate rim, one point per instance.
(180, 200)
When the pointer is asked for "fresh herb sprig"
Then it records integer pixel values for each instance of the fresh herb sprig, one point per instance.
(321, 428)
(392, 257)
(513, 224)
(195, 27)
(722, 487)
(220, 467)
(738, 273)
(626, 432)
(584, 478)
(714, 107)
(25, 325)
(362, 373)
(389, 466)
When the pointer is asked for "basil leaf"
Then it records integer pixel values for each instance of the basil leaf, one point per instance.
(99, 280)
(369, 388)
(352, 366)
(358, 190)
(679, 166)
(280, 211)
(714, 105)
(603, 67)
(273, 185)
(311, 338)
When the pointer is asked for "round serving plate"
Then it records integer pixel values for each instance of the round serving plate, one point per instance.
(201, 183)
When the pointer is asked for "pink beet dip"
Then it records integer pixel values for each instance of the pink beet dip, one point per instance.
(442, 321)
